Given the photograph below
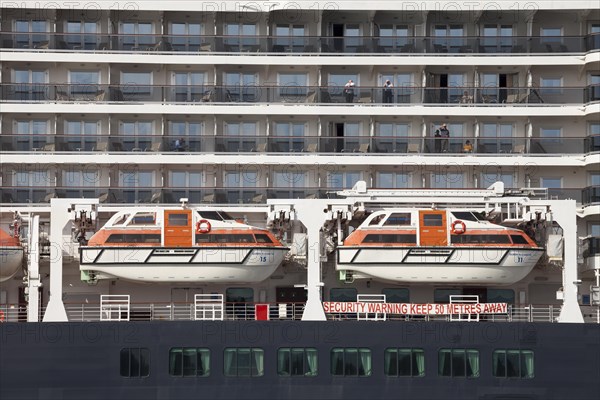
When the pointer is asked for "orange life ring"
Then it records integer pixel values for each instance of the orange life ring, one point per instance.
(203, 226)
(1, 316)
(458, 227)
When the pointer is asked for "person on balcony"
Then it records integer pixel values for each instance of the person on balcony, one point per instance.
(349, 91)
(387, 92)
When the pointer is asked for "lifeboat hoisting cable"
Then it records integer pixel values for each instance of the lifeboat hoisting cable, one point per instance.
(203, 226)
(458, 227)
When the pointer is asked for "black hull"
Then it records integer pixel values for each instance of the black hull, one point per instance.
(81, 360)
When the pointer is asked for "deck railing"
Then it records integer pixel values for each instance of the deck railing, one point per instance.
(238, 195)
(285, 45)
(404, 94)
(280, 312)
(379, 143)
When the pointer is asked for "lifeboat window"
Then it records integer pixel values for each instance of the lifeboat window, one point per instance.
(376, 220)
(135, 362)
(518, 239)
(297, 361)
(404, 362)
(121, 220)
(390, 238)
(458, 363)
(241, 361)
(225, 238)
(478, 239)
(189, 361)
(398, 219)
(432, 220)
(464, 215)
(143, 219)
(513, 364)
(216, 215)
(342, 294)
(178, 219)
(133, 238)
(350, 361)
(262, 238)
(396, 295)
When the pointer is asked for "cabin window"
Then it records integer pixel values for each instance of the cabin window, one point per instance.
(513, 364)
(189, 361)
(143, 219)
(297, 361)
(247, 361)
(432, 220)
(390, 238)
(404, 362)
(241, 302)
(342, 294)
(178, 219)
(350, 361)
(518, 239)
(262, 238)
(500, 296)
(396, 295)
(443, 295)
(133, 238)
(396, 219)
(135, 362)
(458, 363)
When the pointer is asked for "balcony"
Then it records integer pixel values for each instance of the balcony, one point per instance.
(299, 145)
(267, 94)
(160, 43)
(255, 195)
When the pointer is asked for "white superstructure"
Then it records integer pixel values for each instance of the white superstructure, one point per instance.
(233, 103)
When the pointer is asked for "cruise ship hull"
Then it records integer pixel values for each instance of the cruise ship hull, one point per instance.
(82, 361)
(213, 264)
(440, 264)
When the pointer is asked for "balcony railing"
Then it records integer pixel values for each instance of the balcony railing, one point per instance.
(255, 93)
(291, 144)
(157, 43)
(299, 145)
(254, 195)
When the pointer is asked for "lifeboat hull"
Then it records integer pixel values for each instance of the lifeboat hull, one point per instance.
(146, 264)
(441, 264)
(11, 259)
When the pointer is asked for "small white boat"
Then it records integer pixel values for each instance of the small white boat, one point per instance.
(180, 245)
(436, 246)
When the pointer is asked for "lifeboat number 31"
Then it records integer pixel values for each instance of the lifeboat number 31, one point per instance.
(203, 226)
(458, 227)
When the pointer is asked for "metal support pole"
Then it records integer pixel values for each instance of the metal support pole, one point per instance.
(33, 271)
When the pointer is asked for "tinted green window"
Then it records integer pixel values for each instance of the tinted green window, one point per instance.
(404, 362)
(243, 361)
(350, 361)
(189, 361)
(513, 364)
(458, 363)
(135, 362)
(432, 220)
(297, 362)
(518, 239)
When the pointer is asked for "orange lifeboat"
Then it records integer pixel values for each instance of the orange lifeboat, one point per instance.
(180, 245)
(11, 256)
